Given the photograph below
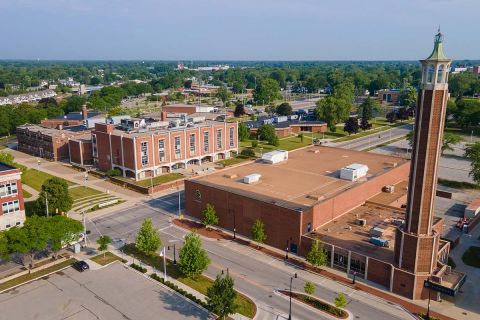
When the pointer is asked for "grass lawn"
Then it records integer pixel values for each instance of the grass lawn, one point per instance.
(233, 161)
(201, 284)
(169, 177)
(35, 178)
(82, 192)
(109, 257)
(26, 194)
(465, 133)
(33, 275)
(457, 184)
(471, 257)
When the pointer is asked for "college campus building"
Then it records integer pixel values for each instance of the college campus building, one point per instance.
(287, 125)
(373, 213)
(11, 197)
(142, 148)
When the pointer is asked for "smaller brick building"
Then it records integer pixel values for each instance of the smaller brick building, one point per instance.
(70, 119)
(47, 142)
(389, 96)
(11, 197)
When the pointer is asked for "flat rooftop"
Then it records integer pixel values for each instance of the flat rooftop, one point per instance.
(346, 233)
(6, 167)
(309, 176)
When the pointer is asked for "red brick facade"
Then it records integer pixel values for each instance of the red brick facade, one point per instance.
(12, 209)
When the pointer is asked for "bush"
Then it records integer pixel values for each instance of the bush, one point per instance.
(248, 152)
(340, 301)
(254, 143)
(138, 268)
(309, 287)
(113, 173)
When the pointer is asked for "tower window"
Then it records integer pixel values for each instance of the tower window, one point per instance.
(430, 70)
(440, 74)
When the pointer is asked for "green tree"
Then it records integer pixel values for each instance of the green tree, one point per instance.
(193, 259)
(239, 110)
(472, 153)
(221, 296)
(332, 110)
(7, 158)
(450, 139)
(55, 191)
(74, 104)
(340, 300)
(267, 91)
(223, 94)
(467, 112)
(317, 255)
(210, 217)
(367, 108)
(309, 287)
(4, 249)
(408, 97)
(29, 239)
(351, 125)
(258, 232)
(62, 231)
(301, 136)
(243, 132)
(266, 132)
(284, 109)
(238, 87)
(103, 243)
(148, 240)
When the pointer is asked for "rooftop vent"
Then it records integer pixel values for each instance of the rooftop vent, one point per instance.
(274, 157)
(230, 175)
(252, 178)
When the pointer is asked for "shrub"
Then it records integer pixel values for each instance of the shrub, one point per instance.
(248, 152)
(113, 173)
(309, 287)
(340, 301)
(254, 143)
(138, 268)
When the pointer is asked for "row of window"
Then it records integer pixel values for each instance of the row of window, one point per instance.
(8, 189)
(11, 206)
(430, 72)
(177, 146)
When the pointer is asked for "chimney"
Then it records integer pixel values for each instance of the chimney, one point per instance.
(163, 116)
(84, 112)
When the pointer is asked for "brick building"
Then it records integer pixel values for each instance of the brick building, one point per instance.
(142, 148)
(11, 198)
(389, 96)
(47, 142)
(293, 197)
(287, 125)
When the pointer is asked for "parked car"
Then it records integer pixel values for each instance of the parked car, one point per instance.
(81, 266)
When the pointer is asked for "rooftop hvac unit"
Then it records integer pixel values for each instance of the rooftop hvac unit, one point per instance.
(377, 232)
(361, 222)
(353, 172)
(275, 156)
(252, 178)
(388, 189)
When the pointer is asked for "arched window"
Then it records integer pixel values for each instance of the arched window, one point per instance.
(430, 70)
(440, 73)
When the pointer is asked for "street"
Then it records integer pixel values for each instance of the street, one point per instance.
(255, 274)
(366, 142)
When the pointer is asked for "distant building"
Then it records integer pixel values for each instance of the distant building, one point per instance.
(389, 96)
(286, 125)
(47, 142)
(72, 119)
(27, 97)
(186, 108)
(476, 70)
(11, 197)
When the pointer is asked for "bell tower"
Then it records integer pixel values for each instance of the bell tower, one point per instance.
(417, 241)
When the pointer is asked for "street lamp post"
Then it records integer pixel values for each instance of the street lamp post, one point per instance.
(354, 276)
(234, 226)
(428, 306)
(290, 309)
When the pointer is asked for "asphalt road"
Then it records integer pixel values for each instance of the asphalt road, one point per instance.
(374, 139)
(114, 292)
(257, 275)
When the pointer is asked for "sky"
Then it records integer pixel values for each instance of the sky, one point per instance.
(183, 30)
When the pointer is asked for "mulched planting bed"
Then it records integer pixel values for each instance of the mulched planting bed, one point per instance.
(318, 304)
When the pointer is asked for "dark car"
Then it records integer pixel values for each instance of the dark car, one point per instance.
(81, 266)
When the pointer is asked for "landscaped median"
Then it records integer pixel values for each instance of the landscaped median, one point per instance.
(45, 270)
(318, 304)
(106, 258)
(246, 307)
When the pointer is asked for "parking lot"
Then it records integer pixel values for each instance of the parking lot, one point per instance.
(113, 292)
